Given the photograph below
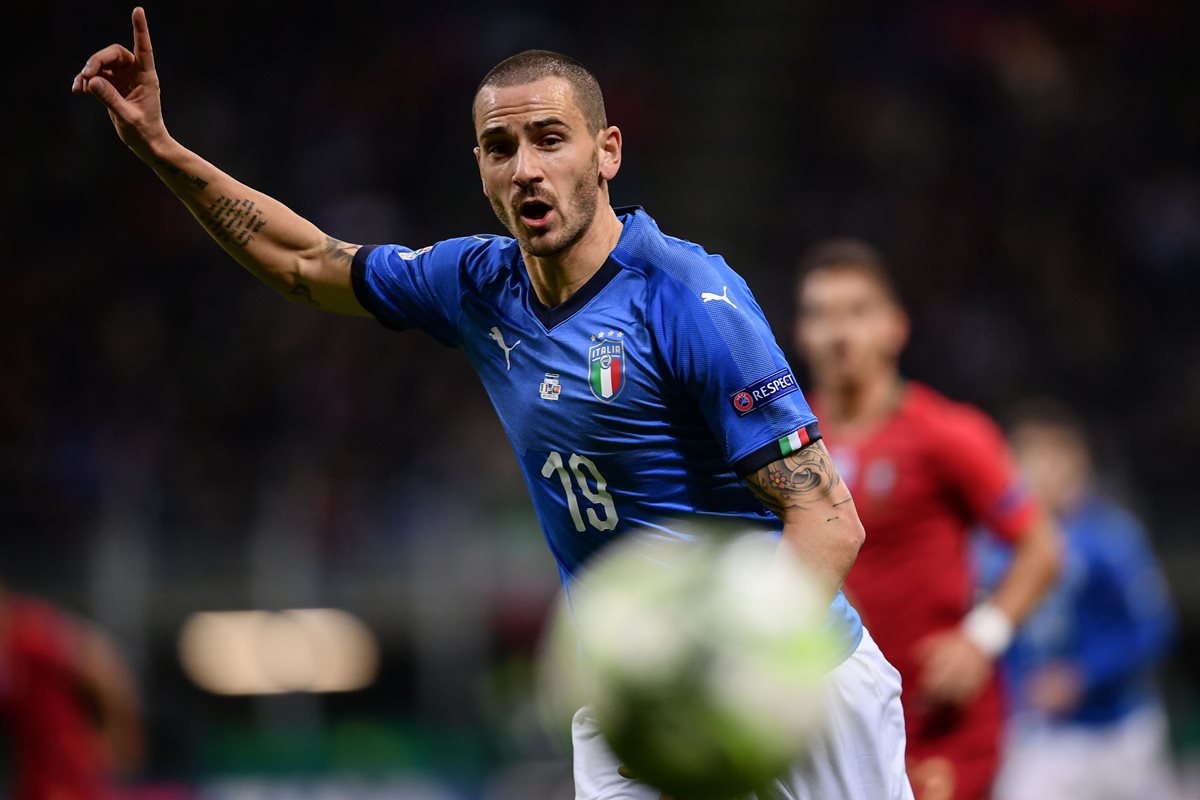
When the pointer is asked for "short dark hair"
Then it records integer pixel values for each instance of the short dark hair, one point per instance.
(1045, 412)
(533, 65)
(848, 254)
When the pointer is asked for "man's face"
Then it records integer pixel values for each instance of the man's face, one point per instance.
(1054, 462)
(540, 163)
(848, 327)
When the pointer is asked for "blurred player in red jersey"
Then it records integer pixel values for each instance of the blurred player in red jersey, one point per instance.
(67, 704)
(923, 470)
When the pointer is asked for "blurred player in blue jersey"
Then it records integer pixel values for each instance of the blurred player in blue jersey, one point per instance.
(634, 373)
(1087, 723)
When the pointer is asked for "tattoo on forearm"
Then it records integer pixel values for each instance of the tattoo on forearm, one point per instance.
(335, 248)
(195, 181)
(800, 480)
(232, 221)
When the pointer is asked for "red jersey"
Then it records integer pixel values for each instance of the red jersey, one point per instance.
(921, 481)
(55, 751)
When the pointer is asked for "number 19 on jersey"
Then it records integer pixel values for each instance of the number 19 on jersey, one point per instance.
(601, 515)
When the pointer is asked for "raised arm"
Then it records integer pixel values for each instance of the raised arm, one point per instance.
(820, 521)
(277, 245)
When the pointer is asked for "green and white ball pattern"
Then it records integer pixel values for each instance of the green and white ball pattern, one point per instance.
(703, 661)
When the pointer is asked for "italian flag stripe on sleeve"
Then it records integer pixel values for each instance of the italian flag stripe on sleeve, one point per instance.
(773, 450)
(794, 441)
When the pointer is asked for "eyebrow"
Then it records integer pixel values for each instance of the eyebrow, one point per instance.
(533, 125)
(548, 122)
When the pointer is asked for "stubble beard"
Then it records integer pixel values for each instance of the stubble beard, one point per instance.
(842, 378)
(582, 207)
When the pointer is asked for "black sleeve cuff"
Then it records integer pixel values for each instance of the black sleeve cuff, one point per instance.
(362, 292)
(358, 278)
(776, 450)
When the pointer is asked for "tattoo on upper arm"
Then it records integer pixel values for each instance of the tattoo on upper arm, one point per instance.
(301, 290)
(800, 480)
(339, 250)
(232, 221)
(334, 249)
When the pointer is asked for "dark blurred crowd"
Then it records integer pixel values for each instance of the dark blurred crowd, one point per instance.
(1031, 170)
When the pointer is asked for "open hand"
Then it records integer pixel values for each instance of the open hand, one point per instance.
(127, 85)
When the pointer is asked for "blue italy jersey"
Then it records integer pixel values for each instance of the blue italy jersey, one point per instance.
(1108, 616)
(637, 403)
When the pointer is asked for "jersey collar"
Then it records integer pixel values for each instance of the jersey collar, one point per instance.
(552, 317)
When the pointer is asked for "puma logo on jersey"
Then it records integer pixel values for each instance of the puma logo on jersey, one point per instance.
(498, 337)
(708, 297)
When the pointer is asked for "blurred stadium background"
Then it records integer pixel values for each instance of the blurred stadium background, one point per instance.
(177, 439)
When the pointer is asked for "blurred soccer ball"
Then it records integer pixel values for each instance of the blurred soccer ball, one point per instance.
(703, 661)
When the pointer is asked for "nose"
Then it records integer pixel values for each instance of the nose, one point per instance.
(841, 331)
(528, 167)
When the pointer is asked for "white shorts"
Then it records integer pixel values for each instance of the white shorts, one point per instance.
(861, 757)
(1126, 760)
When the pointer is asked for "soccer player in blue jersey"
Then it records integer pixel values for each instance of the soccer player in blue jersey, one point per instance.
(635, 375)
(1087, 721)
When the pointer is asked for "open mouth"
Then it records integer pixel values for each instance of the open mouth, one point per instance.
(535, 213)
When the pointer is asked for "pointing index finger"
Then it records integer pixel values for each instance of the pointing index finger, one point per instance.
(141, 38)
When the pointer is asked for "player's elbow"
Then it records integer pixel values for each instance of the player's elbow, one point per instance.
(856, 536)
(837, 540)
(1042, 544)
(1050, 543)
(1054, 559)
(848, 536)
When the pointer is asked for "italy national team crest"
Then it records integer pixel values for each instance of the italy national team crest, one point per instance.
(606, 365)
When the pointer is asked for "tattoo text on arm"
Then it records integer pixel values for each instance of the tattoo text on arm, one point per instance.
(232, 221)
(195, 181)
(801, 480)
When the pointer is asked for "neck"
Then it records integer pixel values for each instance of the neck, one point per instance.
(860, 403)
(555, 278)
(1069, 500)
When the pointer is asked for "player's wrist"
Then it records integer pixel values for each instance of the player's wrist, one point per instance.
(158, 149)
(989, 629)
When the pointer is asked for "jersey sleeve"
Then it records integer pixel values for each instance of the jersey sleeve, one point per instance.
(1130, 594)
(722, 352)
(975, 461)
(405, 288)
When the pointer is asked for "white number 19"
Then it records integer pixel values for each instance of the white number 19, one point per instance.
(598, 496)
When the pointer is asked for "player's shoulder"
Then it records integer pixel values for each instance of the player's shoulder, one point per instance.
(34, 624)
(480, 252)
(29, 610)
(673, 266)
(1108, 523)
(947, 421)
(480, 256)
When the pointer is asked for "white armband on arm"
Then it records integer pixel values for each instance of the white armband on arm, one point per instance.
(989, 629)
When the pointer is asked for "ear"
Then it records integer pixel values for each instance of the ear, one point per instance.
(479, 163)
(609, 143)
(901, 327)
